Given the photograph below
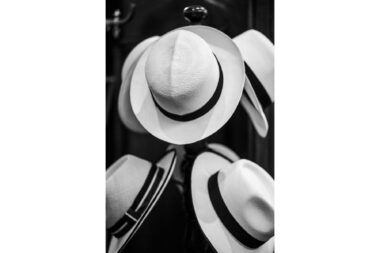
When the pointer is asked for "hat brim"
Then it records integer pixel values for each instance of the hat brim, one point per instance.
(124, 103)
(258, 52)
(205, 165)
(223, 151)
(253, 108)
(167, 163)
(178, 132)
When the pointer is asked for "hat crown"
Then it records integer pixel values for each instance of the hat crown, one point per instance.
(182, 72)
(248, 192)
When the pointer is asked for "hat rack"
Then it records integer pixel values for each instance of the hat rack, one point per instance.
(193, 237)
(194, 14)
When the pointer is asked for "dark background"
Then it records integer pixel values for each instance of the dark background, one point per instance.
(163, 229)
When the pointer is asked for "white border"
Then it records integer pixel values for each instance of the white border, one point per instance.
(327, 126)
(52, 126)
(52, 137)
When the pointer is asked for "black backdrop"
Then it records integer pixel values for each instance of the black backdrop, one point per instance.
(163, 229)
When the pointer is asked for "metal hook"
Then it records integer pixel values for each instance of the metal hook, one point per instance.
(115, 23)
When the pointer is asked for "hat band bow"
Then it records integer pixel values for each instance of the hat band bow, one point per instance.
(142, 200)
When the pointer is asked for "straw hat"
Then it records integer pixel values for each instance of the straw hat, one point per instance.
(257, 51)
(133, 186)
(258, 55)
(234, 204)
(188, 84)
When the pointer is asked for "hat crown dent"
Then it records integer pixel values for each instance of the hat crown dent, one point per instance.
(182, 72)
(248, 192)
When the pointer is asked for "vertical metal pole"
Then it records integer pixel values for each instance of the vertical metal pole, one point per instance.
(193, 240)
(250, 131)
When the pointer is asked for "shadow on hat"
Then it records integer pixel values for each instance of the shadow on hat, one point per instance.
(233, 203)
(133, 186)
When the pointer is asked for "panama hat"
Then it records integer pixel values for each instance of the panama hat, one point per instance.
(257, 51)
(233, 204)
(258, 54)
(188, 84)
(124, 103)
(133, 186)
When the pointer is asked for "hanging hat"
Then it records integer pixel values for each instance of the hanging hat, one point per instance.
(124, 103)
(234, 204)
(188, 84)
(258, 55)
(133, 186)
